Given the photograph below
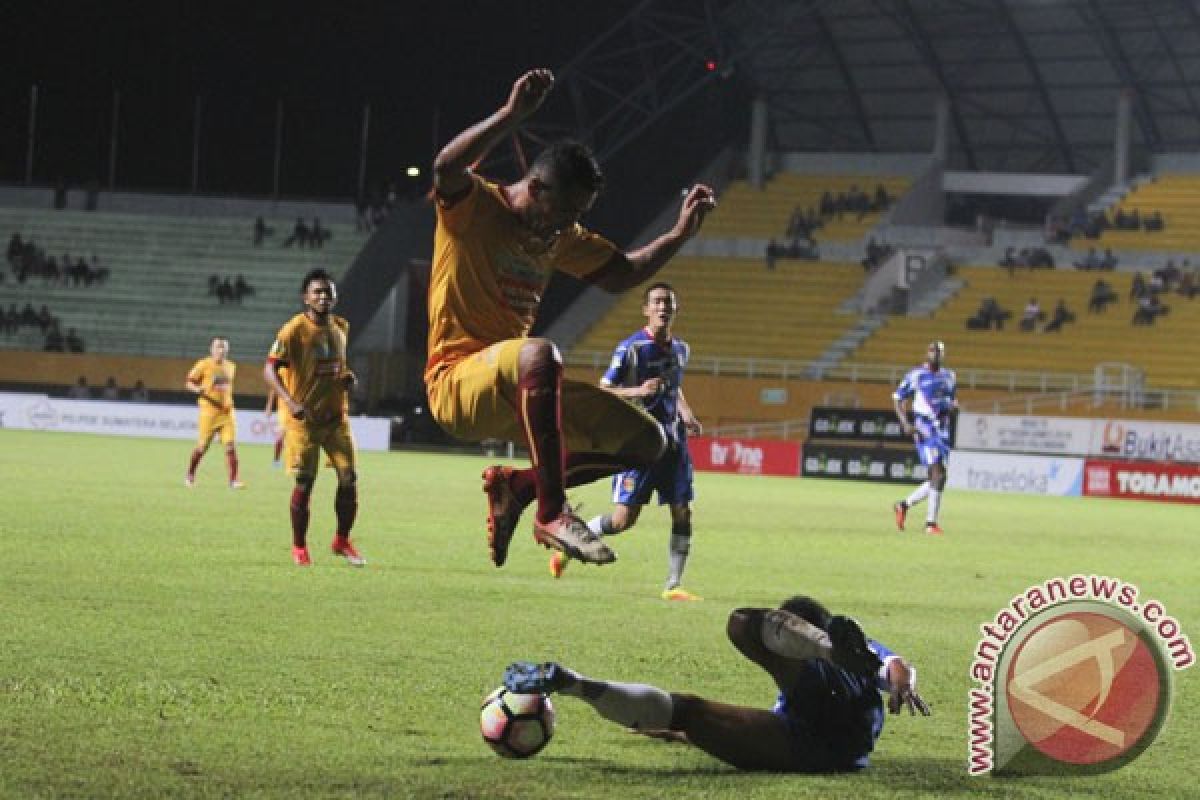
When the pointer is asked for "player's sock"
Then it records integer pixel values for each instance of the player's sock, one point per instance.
(299, 511)
(792, 636)
(582, 468)
(345, 505)
(278, 448)
(919, 494)
(194, 462)
(602, 525)
(935, 505)
(539, 411)
(231, 461)
(677, 552)
(523, 483)
(632, 705)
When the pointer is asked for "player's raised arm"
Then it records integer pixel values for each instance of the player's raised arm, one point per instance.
(451, 166)
(626, 270)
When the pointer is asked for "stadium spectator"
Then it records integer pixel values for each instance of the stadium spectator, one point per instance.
(12, 320)
(261, 231)
(74, 342)
(1090, 261)
(318, 236)
(139, 393)
(1102, 295)
(1109, 262)
(1149, 308)
(54, 339)
(1032, 315)
(876, 254)
(1138, 288)
(1153, 222)
(1061, 316)
(80, 391)
(225, 293)
(300, 234)
(486, 377)
(29, 317)
(882, 199)
(1187, 284)
(828, 714)
(241, 289)
(46, 320)
(774, 250)
(989, 314)
(110, 391)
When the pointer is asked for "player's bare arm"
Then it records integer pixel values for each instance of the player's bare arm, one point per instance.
(626, 270)
(271, 376)
(902, 415)
(649, 388)
(451, 167)
(690, 422)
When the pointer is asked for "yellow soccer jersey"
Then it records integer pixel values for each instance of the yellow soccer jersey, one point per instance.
(315, 356)
(216, 380)
(489, 272)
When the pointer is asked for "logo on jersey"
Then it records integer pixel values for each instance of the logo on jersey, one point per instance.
(1075, 678)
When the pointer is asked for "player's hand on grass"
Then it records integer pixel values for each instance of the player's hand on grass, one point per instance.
(908, 697)
(698, 201)
(529, 92)
(676, 737)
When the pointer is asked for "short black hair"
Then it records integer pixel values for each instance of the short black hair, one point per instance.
(657, 285)
(808, 609)
(569, 163)
(317, 274)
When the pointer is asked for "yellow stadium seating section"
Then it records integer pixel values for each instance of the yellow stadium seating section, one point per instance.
(744, 211)
(1177, 197)
(1168, 351)
(740, 309)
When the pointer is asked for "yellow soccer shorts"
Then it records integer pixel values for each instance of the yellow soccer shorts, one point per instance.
(211, 424)
(475, 399)
(302, 446)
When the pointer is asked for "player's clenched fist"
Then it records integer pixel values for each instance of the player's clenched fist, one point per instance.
(529, 92)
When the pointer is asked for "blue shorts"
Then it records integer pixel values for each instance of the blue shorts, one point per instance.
(833, 718)
(670, 476)
(932, 447)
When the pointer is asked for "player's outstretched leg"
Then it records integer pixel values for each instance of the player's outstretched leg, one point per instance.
(631, 705)
(526, 677)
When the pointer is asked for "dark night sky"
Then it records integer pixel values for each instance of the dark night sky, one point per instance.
(411, 61)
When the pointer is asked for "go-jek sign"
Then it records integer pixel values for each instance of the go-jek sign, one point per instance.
(745, 456)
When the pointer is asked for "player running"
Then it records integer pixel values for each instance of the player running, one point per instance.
(313, 388)
(828, 715)
(495, 249)
(647, 369)
(928, 391)
(211, 380)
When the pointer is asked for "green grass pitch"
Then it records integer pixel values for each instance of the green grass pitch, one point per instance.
(157, 642)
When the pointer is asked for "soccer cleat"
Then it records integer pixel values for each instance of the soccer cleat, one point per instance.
(189, 481)
(347, 551)
(679, 594)
(850, 650)
(525, 677)
(558, 564)
(300, 556)
(236, 485)
(933, 529)
(503, 511)
(569, 534)
(901, 511)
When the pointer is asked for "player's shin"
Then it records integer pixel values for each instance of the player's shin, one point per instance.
(299, 513)
(539, 411)
(677, 552)
(345, 505)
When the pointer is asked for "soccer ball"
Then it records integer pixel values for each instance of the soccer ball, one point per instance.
(516, 725)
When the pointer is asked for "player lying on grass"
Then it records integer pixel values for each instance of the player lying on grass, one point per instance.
(495, 249)
(827, 717)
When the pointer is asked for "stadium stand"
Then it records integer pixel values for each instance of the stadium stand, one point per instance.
(1176, 197)
(737, 308)
(753, 213)
(157, 299)
(1163, 350)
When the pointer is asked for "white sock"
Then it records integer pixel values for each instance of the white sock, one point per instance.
(677, 554)
(601, 525)
(919, 494)
(791, 636)
(633, 705)
(935, 504)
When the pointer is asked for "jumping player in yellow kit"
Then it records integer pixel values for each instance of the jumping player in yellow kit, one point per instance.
(495, 249)
(313, 389)
(211, 380)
